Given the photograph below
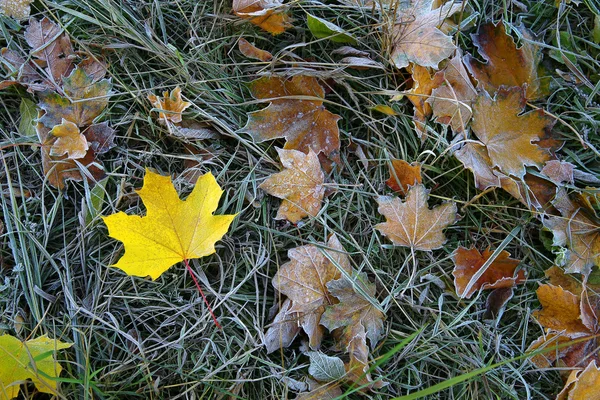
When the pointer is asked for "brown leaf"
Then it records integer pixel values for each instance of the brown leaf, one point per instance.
(100, 137)
(423, 85)
(358, 365)
(251, 51)
(329, 391)
(23, 72)
(499, 274)
(403, 175)
(69, 141)
(474, 157)
(416, 36)
(18, 9)
(300, 185)
(263, 13)
(411, 223)
(574, 355)
(496, 301)
(557, 277)
(304, 123)
(283, 330)
(505, 64)
(170, 106)
(94, 67)
(559, 171)
(582, 384)
(304, 278)
(507, 135)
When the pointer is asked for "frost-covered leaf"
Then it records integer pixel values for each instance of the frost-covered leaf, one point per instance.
(267, 14)
(403, 175)
(50, 46)
(70, 141)
(283, 329)
(251, 51)
(325, 368)
(18, 9)
(582, 384)
(423, 85)
(100, 137)
(170, 106)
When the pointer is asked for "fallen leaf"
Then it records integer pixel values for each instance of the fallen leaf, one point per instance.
(23, 72)
(170, 106)
(304, 281)
(403, 175)
(361, 63)
(266, 14)
(69, 141)
(330, 391)
(17, 368)
(582, 384)
(358, 365)
(323, 29)
(561, 311)
(509, 136)
(416, 36)
(300, 185)
(173, 230)
(325, 368)
(505, 64)
(423, 85)
(499, 274)
(283, 329)
(100, 137)
(496, 301)
(559, 171)
(296, 113)
(474, 156)
(94, 67)
(251, 51)
(84, 102)
(387, 110)
(18, 9)
(411, 223)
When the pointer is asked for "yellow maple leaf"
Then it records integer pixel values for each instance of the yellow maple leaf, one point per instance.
(173, 230)
(170, 106)
(70, 141)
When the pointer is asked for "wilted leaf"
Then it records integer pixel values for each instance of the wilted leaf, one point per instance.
(509, 136)
(304, 123)
(325, 368)
(330, 391)
(411, 223)
(95, 68)
(266, 14)
(300, 185)
(361, 63)
(559, 171)
(423, 85)
(304, 278)
(499, 274)
(69, 141)
(474, 157)
(23, 72)
(170, 106)
(357, 367)
(496, 301)
(416, 36)
(18, 9)
(84, 102)
(506, 65)
(33, 359)
(173, 230)
(251, 51)
(324, 29)
(283, 330)
(403, 175)
(582, 384)
(100, 137)
(560, 311)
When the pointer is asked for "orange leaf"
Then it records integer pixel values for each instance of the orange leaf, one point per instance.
(251, 51)
(499, 274)
(170, 106)
(263, 13)
(69, 141)
(423, 85)
(330, 391)
(403, 175)
(560, 311)
(582, 384)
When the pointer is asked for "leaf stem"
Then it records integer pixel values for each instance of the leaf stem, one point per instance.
(191, 271)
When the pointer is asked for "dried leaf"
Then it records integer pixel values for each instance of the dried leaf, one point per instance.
(305, 124)
(387, 110)
(251, 51)
(300, 185)
(361, 63)
(496, 301)
(474, 157)
(499, 274)
(557, 277)
(170, 106)
(507, 135)
(403, 175)
(266, 14)
(559, 171)
(173, 230)
(582, 385)
(505, 64)
(69, 141)
(94, 67)
(330, 391)
(423, 85)
(100, 137)
(304, 278)
(560, 311)
(411, 223)
(357, 367)
(283, 330)
(18, 9)
(23, 72)
(416, 36)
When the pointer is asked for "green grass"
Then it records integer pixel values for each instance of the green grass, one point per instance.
(140, 339)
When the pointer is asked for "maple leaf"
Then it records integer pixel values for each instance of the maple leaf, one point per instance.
(304, 281)
(170, 106)
(17, 360)
(411, 223)
(451, 101)
(100, 137)
(403, 175)
(296, 112)
(507, 135)
(18, 9)
(22, 71)
(264, 14)
(499, 274)
(84, 102)
(70, 141)
(505, 64)
(300, 185)
(283, 330)
(582, 384)
(330, 391)
(251, 51)
(416, 36)
(173, 230)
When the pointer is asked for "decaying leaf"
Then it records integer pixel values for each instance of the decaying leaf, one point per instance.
(283, 330)
(411, 223)
(582, 384)
(100, 137)
(32, 359)
(170, 106)
(330, 391)
(559, 171)
(266, 14)
(403, 175)
(94, 67)
(22, 71)
(251, 51)
(296, 113)
(300, 185)
(560, 311)
(499, 274)
(69, 141)
(423, 85)
(508, 136)
(173, 230)
(304, 281)
(417, 37)
(505, 64)
(18, 9)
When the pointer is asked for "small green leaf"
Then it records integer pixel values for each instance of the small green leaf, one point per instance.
(324, 29)
(29, 113)
(325, 368)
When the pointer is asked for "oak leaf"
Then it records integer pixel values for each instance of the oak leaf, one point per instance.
(300, 185)
(582, 384)
(416, 36)
(172, 230)
(423, 85)
(69, 141)
(505, 64)
(264, 14)
(296, 113)
(18, 9)
(170, 106)
(251, 51)
(403, 175)
(509, 136)
(499, 274)
(411, 223)
(32, 359)
(304, 281)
